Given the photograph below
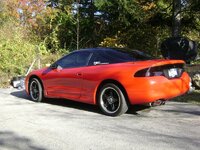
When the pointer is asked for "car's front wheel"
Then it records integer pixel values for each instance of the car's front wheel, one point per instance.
(35, 90)
(111, 100)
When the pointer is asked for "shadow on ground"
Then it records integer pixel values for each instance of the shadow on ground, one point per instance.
(186, 111)
(10, 140)
(21, 94)
(77, 105)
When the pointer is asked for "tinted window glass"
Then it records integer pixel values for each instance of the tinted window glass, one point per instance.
(124, 55)
(77, 59)
(98, 58)
(117, 56)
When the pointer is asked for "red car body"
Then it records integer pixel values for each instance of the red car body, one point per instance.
(82, 83)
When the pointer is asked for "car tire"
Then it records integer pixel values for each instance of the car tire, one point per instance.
(36, 90)
(111, 100)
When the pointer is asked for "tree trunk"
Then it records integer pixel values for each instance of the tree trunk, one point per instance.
(91, 13)
(176, 31)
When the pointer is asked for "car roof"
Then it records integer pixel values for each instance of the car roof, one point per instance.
(114, 49)
(96, 49)
(100, 49)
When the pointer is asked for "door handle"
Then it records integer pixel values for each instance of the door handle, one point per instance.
(79, 74)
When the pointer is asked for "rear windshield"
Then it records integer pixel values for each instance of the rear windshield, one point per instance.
(126, 55)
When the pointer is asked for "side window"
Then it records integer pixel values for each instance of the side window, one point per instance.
(98, 59)
(77, 59)
(120, 56)
(82, 58)
(67, 61)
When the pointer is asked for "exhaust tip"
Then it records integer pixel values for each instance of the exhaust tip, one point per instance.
(158, 103)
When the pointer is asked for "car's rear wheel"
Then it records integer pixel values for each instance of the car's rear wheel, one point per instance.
(111, 100)
(35, 90)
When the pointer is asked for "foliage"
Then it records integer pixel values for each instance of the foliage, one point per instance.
(192, 97)
(142, 24)
(17, 45)
(111, 42)
(16, 51)
(52, 26)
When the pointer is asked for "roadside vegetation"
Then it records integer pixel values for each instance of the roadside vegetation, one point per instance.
(51, 28)
(193, 97)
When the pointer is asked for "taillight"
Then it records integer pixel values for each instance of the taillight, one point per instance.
(169, 71)
(149, 72)
(141, 73)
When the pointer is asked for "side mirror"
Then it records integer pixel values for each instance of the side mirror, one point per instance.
(54, 66)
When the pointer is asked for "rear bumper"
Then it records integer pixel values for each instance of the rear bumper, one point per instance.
(155, 88)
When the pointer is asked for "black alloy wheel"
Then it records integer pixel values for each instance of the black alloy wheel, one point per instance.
(111, 100)
(35, 90)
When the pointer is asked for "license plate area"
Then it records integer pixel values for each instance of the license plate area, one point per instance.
(173, 73)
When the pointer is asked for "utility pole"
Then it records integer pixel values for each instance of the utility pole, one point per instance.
(78, 25)
(176, 24)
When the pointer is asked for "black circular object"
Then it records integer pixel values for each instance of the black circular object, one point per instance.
(111, 100)
(179, 48)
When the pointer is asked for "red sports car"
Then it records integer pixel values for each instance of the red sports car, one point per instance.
(111, 78)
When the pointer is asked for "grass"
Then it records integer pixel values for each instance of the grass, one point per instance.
(193, 97)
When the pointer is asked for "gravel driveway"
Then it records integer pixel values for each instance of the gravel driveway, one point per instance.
(65, 125)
